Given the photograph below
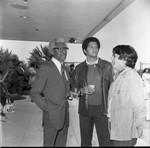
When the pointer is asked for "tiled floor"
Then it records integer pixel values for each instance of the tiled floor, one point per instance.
(24, 127)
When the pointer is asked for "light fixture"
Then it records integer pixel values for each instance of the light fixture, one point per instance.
(25, 1)
(24, 16)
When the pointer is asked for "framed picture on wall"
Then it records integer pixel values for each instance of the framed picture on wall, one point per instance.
(143, 66)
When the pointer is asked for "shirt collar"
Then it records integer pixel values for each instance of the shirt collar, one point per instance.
(57, 63)
(96, 62)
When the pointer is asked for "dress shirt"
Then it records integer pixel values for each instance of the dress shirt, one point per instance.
(57, 63)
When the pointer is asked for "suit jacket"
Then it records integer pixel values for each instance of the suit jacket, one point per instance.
(49, 82)
(79, 81)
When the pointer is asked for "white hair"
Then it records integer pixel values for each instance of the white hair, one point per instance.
(52, 43)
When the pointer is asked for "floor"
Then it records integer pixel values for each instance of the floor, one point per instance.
(24, 127)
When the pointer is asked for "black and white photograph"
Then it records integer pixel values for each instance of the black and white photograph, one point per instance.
(74, 73)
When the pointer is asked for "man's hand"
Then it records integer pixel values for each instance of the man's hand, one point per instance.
(140, 133)
(87, 90)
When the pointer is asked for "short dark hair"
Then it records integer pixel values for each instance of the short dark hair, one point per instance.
(87, 41)
(127, 53)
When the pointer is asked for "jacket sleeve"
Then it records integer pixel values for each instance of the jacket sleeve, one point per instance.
(110, 75)
(38, 86)
(138, 104)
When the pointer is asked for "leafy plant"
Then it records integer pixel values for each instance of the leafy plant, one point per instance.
(39, 56)
(7, 59)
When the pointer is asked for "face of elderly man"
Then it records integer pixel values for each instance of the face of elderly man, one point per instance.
(58, 49)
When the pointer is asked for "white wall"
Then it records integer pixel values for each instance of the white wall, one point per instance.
(132, 27)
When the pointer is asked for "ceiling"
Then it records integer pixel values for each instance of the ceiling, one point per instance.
(43, 20)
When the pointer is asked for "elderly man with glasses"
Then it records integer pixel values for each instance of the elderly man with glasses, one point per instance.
(52, 80)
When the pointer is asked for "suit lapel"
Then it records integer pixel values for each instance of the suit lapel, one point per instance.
(56, 72)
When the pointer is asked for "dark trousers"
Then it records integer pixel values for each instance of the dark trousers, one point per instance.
(53, 137)
(18, 87)
(129, 143)
(87, 125)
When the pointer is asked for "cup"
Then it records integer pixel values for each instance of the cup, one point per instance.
(91, 89)
(92, 86)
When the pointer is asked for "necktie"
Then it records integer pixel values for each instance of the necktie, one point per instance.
(63, 72)
(62, 69)
(65, 79)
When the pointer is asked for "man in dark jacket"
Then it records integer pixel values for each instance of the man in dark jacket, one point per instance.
(92, 78)
(20, 72)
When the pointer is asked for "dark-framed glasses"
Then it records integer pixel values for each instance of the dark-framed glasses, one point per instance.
(62, 49)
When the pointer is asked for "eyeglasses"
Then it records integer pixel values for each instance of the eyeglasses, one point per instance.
(62, 49)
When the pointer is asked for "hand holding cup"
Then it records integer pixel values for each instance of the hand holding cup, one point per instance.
(91, 89)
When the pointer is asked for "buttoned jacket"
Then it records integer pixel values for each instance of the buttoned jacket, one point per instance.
(49, 82)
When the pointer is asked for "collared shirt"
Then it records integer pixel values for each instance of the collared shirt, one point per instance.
(57, 63)
(126, 107)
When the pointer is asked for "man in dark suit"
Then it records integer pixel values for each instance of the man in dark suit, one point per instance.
(92, 78)
(53, 83)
